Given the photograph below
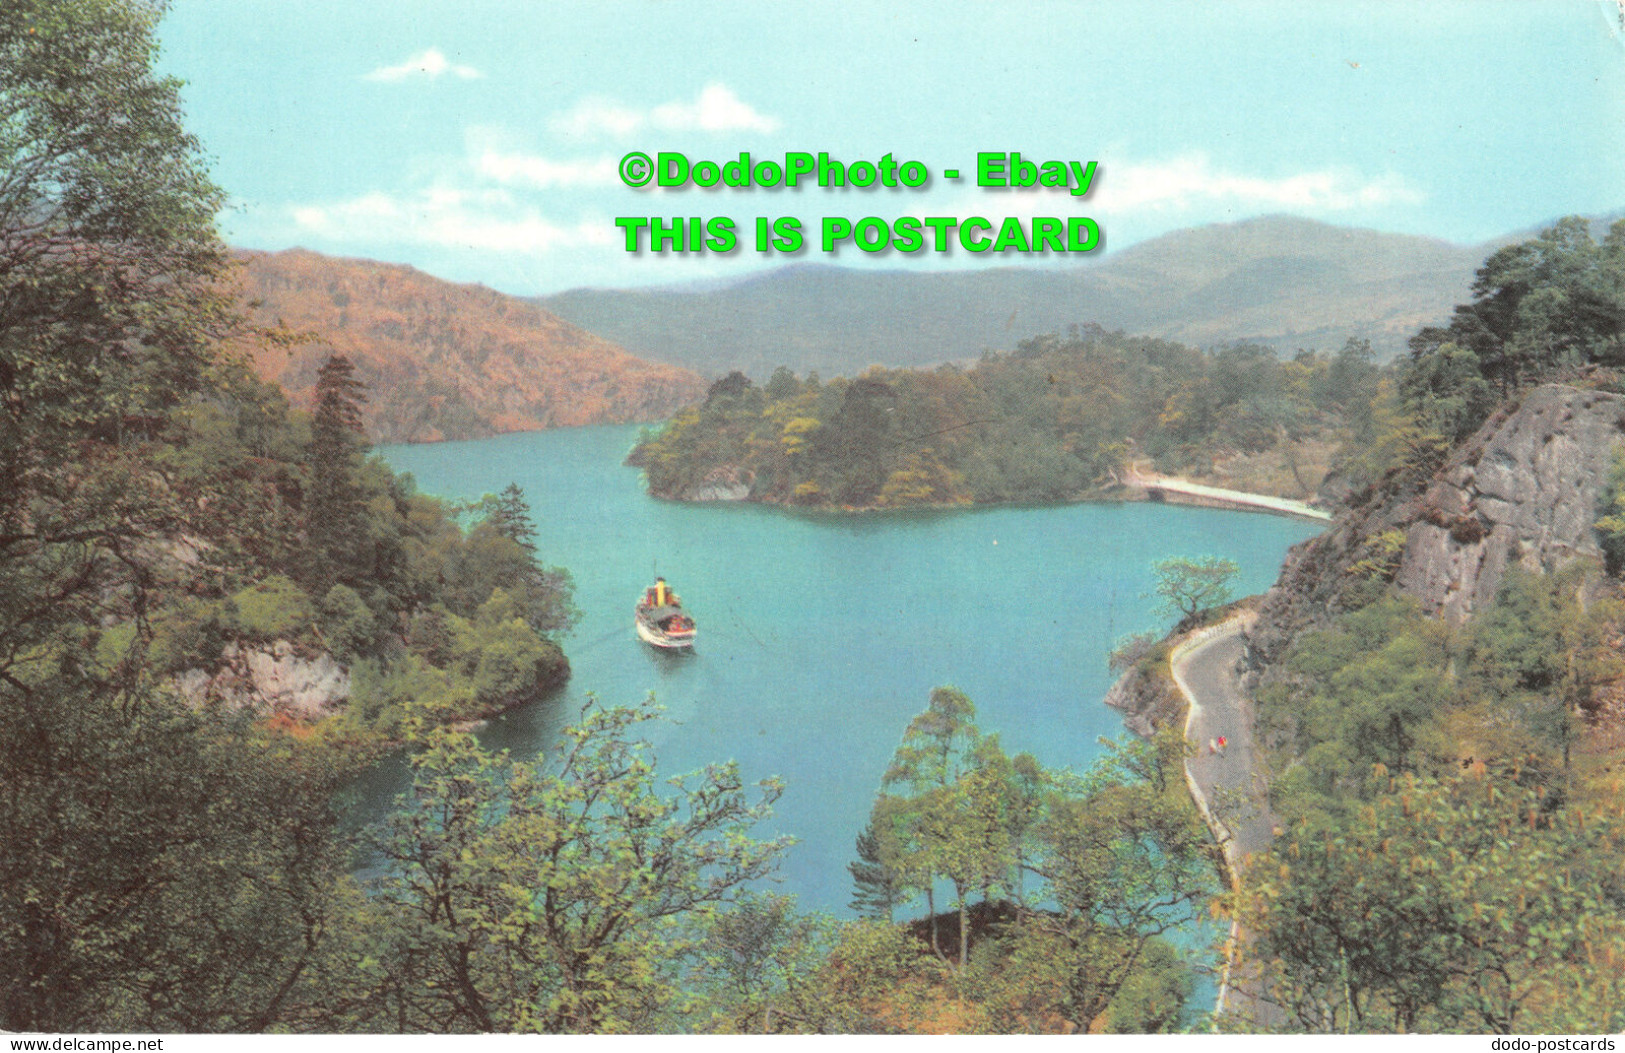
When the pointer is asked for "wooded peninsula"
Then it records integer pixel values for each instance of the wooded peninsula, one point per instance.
(1438, 682)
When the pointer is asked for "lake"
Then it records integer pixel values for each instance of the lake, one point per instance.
(821, 635)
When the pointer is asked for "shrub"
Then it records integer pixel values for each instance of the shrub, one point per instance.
(274, 609)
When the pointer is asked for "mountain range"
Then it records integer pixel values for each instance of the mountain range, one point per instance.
(449, 361)
(1282, 281)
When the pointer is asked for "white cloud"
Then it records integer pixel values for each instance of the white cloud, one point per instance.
(715, 109)
(529, 170)
(431, 63)
(449, 218)
(1192, 182)
(595, 116)
(484, 200)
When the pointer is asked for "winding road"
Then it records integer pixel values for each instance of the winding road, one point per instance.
(1226, 785)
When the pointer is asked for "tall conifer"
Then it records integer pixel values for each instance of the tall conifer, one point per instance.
(334, 513)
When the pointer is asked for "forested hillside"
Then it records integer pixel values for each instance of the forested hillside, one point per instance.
(444, 361)
(1058, 419)
(175, 850)
(1439, 682)
(167, 834)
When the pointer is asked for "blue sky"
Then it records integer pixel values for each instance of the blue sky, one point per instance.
(478, 140)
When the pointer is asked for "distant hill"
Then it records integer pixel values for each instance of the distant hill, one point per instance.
(1281, 281)
(446, 361)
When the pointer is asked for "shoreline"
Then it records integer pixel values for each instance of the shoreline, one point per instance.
(1173, 490)
(1160, 492)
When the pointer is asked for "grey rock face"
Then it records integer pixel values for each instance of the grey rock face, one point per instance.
(724, 483)
(273, 679)
(1523, 490)
(1529, 496)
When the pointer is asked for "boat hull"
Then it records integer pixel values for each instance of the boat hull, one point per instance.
(652, 636)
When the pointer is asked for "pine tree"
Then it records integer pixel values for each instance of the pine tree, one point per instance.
(875, 890)
(333, 510)
(510, 514)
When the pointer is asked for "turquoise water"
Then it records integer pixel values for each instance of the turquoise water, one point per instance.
(820, 636)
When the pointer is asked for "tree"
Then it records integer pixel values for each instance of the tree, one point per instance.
(1126, 859)
(1610, 525)
(108, 250)
(782, 384)
(109, 300)
(489, 560)
(334, 513)
(1542, 652)
(754, 963)
(914, 828)
(510, 515)
(159, 867)
(857, 443)
(1121, 856)
(1455, 904)
(1121, 853)
(731, 386)
(1189, 586)
(1541, 309)
(158, 870)
(875, 886)
(555, 895)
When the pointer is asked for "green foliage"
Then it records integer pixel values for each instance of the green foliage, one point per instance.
(169, 868)
(334, 504)
(109, 256)
(1370, 575)
(165, 868)
(347, 622)
(876, 979)
(1537, 660)
(502, 655)
(1440, 872)
(1548, 309)
(924, 832)
(274, 609)
(385, 695)
(1051, 421)
(1404, 445)
(555, 895)
(1457, 904)
(509, 514)
(1190, 585)
(756, 965)
(875, 890)
(488, 560)
(1370, 690)
(1128, 651)
(1610, 524)
(429, 635)
(161, 869)
(1543, 309)
(190, 633)
(180, 878)
(1119, 853)
(1385, 685)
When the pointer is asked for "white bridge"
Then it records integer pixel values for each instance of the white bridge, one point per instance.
(1164, 486)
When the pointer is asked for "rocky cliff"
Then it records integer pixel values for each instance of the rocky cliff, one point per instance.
(1524, 490)
(1147, 697)
(269, 680)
